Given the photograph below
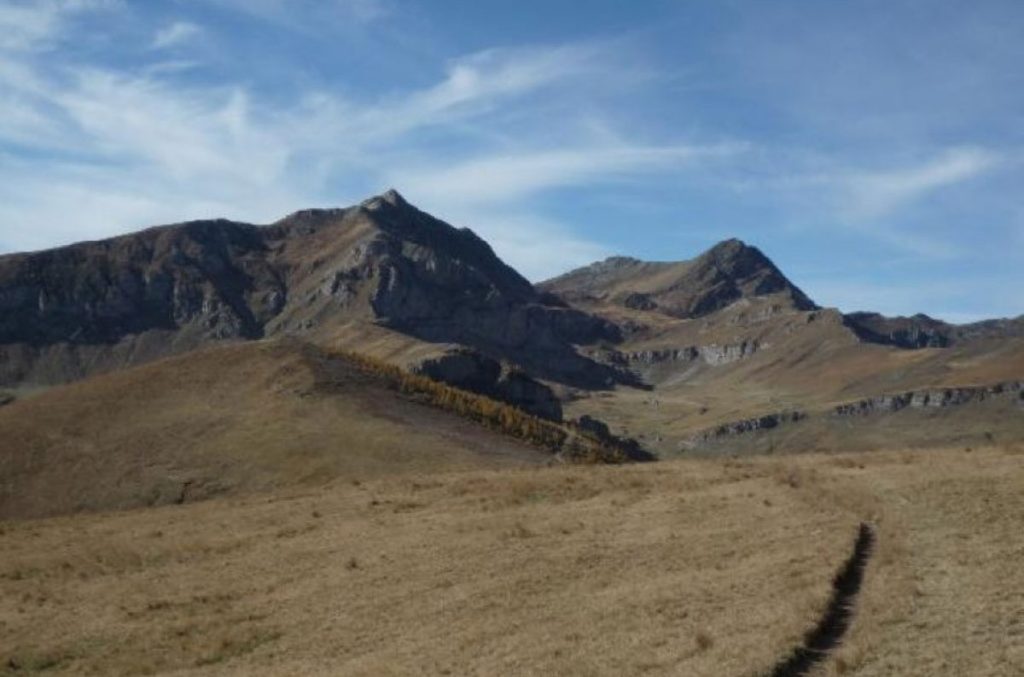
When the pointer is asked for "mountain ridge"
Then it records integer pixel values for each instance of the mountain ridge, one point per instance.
(727, 272)
(388, 279)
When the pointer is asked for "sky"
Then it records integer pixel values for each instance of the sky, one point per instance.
(874, 149)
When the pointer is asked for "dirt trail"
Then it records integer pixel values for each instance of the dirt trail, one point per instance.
(835, 622)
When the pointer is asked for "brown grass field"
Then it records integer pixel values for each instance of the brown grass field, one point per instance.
(684, 567)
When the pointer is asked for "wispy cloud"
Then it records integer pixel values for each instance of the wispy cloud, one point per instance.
(137, 148)
(873, 194)
(33, 24)
(504, 178)
(473, 86)
(175, 34)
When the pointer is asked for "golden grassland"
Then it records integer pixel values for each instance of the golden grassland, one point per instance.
(230, 419)
(695, 567)
(255, 416)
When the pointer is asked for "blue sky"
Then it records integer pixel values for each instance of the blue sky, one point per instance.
(873, 148)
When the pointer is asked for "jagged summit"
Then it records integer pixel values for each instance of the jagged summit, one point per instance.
(390, 197)
(727, 272)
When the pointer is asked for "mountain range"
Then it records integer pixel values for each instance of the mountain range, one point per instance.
(720, 353)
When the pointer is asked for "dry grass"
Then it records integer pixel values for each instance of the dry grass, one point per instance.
(683, 567)
(225, 420)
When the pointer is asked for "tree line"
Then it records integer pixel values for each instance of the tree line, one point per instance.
(564, 438)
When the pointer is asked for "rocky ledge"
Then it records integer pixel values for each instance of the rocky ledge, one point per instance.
(712, 354)
(745, 426)
(929, 398)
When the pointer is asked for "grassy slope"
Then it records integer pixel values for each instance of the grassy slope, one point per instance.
(684, 567)
(232, 418)
(808, 367)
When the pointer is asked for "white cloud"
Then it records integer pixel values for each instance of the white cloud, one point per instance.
(175, 34)
(30, 25)
(473, 86)
(873, 194)
(502, 178)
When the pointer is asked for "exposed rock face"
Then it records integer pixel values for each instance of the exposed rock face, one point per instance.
(930, 398)
(422, 277)
(472, 371)
(745, 426)
(727, 272)
(208, 277)
(921, 331)
(639, 301)
(601, 432)
(935, 398)
(93, 306)
(711, 354)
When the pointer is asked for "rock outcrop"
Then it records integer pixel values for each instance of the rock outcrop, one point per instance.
(712, 354)
(926, 398)
(746, 426)
(599, 430)
(470, 370)
(935, 398)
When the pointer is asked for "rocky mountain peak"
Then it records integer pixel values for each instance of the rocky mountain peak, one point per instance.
(389, 198)
(737, 256)
(723, 274)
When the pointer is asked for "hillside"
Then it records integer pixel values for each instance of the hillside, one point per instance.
(230, 419)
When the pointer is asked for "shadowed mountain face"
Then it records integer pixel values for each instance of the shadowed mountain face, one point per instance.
(726, 273)
(77, 310)
(921, 331)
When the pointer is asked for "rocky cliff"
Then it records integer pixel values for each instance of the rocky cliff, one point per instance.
(711, 354)
(922, 331)
(921, 399)
(89, 307)
(936, 398)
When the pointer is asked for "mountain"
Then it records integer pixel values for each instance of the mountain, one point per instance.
(382, 266)
(739, 358)
(726, 273)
